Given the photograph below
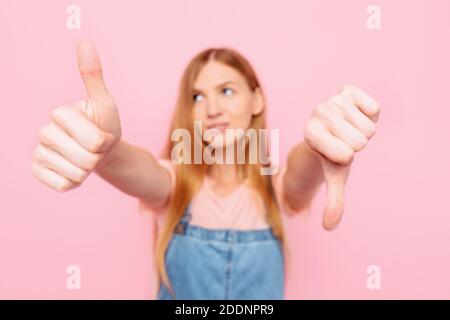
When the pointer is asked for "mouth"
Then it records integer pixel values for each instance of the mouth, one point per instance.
(222, 126)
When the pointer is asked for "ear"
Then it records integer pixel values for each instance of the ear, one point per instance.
(258, 102)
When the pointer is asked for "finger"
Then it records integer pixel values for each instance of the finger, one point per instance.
(357, 118)
(363, 101)
(53, 160)
(345, 131)
(83, 131)
(51, 178)
(334, 205)
(335, 178)
(56, 139)
(323, 141)
(91, 70)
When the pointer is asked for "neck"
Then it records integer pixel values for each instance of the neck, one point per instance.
(226, 173)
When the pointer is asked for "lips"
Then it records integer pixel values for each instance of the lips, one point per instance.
(222, 126)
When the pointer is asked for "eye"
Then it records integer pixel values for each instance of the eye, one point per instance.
(227, 91)
(197, 97)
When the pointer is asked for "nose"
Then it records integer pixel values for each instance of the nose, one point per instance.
(213, 107)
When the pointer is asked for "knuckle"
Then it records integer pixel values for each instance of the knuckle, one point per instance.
(322, 109)
(39, 153)
(45, 136)
(334, 121)
(309, 132)
(42, 133)
(34, 167)
(58, 112)
(348, 87)
(339, 102)
(89, 165)
(338, 111)
(307, 129)
(334, 99)
(83, 175)
(55, 113)
(371, 130)
(362, 142)
(377, 110)
(344, 157)
(347, 96)
(80, 176)
(97, 142)
(92, 162)
(62, 185)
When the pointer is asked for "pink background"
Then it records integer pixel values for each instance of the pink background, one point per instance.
(397, 198)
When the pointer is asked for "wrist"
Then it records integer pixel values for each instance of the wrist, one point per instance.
(110, 156)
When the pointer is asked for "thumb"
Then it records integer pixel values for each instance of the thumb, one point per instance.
(335, 176)
(91, 70)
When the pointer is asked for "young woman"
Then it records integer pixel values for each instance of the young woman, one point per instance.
(219, 230)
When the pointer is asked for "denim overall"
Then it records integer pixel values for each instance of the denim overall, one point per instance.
(223, 263)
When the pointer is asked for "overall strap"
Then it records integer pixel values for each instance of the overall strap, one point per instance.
(186, 214)
(181, 226)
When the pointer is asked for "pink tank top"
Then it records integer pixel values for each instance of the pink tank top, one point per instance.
(243, 209)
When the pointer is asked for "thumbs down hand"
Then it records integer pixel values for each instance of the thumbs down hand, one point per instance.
(336, 130)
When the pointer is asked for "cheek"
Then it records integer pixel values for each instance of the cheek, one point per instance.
(241, 113)
(199, 112)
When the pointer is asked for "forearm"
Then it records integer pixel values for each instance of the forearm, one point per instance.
(136, 172)
(303, 176)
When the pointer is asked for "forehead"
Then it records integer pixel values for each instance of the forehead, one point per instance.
(215, 73)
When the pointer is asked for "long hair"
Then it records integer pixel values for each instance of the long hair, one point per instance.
(189, 177)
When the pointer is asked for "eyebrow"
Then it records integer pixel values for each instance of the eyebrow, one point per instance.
(219, 85)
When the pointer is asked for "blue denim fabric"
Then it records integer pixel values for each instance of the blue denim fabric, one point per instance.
(223, 263)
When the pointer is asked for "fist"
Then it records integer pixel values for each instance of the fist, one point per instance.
(337, 130)
(80, 136)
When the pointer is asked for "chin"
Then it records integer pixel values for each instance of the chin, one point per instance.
(218, 142)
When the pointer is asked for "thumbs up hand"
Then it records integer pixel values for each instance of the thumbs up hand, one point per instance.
(79, 136)
(99, 107)
(336, 130)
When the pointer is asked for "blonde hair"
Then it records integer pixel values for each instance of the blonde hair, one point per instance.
(190, 176)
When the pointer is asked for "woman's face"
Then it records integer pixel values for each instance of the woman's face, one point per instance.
(223, 100)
